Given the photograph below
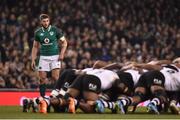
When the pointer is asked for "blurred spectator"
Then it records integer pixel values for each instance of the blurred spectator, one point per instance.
(2, 83)
(118, 30)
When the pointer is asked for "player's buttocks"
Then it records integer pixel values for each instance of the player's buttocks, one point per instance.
(92, 83)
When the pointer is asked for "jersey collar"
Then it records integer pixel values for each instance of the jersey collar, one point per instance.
(49, 28)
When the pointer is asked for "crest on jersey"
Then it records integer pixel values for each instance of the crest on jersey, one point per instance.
(41, 34)
(46, 40)
(51, 33)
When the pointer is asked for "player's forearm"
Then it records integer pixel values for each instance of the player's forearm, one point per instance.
(148, 66)
(34, 53)
(113, 66)
(99, 64)
(63, 47)
(160, 62)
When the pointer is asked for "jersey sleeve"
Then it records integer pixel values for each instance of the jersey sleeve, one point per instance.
(36, 37)
(60, 34)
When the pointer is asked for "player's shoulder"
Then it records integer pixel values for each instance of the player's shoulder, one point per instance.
(55, 28)
(38, 30)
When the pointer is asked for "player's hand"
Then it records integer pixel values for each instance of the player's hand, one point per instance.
(33, 65)
(61, 57)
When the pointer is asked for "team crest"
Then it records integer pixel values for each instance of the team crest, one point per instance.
(51, 33)
(46, 40)
(41, 34)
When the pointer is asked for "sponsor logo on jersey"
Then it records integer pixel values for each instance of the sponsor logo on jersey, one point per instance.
(92, 87)
(66, 84)
(51, 33)
(157, 81)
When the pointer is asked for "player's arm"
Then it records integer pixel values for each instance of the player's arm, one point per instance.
(63, 44)
(160, 62)
(148, 66)
(105, 65)
(99, 64)
(113, 66)
(34, 52)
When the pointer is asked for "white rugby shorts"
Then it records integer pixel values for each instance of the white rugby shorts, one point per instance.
(48, 63)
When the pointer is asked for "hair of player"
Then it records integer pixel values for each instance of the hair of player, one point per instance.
(43, 16)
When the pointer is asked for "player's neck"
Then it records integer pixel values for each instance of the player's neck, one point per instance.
(46, 29)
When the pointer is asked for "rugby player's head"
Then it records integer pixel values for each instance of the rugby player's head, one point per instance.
(177, 60)
(44, 20)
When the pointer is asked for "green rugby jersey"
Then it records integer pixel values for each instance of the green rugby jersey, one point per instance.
(48, 38)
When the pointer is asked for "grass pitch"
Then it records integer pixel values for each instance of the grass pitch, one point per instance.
(15, 112)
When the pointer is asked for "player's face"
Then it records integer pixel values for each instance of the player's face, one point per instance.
(45, 22)
(177, 64)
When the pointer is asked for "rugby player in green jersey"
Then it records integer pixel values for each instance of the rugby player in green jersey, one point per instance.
(49, 39)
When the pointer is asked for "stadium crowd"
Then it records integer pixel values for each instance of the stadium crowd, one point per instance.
(116, 31)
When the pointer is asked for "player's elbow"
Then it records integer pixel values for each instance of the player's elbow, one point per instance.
(64, 43)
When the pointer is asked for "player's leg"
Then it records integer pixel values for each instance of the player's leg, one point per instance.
(91, 90)
(55, 74)
(57, 104)
(61, 79)
(107, 100)
(140, 95)
(66, 75)
(55, 67)
(156, 83)
(159, 98)
(43, 82)
(73, 92)
(174, 98)
(125, 84)
(43, 68)
(55, 79)
(26, 104)
(65, 80)
(90, 98)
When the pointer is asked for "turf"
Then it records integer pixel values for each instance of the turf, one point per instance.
(15, 112)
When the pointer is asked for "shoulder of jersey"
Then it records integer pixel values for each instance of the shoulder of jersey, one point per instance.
(53, 27)
(56, 28)
(38, 30)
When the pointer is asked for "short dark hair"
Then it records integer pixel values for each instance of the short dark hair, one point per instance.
(43, 16)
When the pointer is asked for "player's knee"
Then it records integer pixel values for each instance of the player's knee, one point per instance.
(55, 77)
(161, 94)
(43, 80)
(54, 101)
(121, 88)
(140, 93)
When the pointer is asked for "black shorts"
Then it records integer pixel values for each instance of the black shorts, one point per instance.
(127, 79)
(151, 78)
(67, 75)
(87, 83)
(69, 78)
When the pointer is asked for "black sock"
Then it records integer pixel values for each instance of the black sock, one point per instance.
(42, 89)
